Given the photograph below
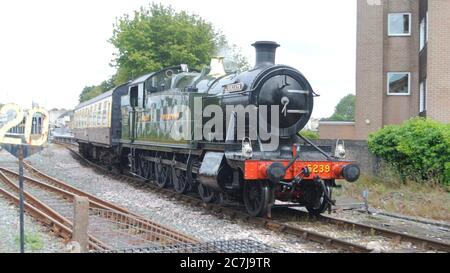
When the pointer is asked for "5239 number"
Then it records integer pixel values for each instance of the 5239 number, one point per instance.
(34, 140)
(319, 168)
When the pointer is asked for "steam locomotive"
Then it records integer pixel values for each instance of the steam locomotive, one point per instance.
(217, 132)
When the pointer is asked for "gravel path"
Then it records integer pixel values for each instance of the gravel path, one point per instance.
(57, 161)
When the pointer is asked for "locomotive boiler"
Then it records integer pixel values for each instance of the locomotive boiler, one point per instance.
(221, 133)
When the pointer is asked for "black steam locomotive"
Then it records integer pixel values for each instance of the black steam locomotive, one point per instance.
(218, 132)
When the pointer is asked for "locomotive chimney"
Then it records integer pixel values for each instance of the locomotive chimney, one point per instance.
(265, 53)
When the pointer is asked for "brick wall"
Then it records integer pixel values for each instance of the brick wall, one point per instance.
(358, 150)
(438, 98)
(335, 130)
(378, 54)
(369, 68)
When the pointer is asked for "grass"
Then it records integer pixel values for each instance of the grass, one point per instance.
(413, 199)
(33, 241)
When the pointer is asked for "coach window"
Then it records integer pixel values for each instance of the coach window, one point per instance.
(94, 121)
(99, 114)
(108, 113)
(88, 117)
(399, 83)
(85, 118)
(104, 113)
(399, 24)
(93, 115)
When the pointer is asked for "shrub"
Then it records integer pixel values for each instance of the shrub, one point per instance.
(310, 135)
(418, 150)
(447, 174)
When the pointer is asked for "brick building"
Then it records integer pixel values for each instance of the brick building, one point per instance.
(402, 67)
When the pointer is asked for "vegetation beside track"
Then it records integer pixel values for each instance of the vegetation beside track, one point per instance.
(411, 198)
(33, 241)
(418, 150)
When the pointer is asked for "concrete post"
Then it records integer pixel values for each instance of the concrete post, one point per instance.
(81, 223)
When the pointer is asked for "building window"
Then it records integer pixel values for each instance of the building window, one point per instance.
(399, 24)
(399, 83)
(423, 97)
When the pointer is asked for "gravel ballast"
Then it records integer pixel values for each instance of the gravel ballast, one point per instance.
(40, 240)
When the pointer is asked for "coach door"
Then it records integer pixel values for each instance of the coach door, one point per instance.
(137, 106)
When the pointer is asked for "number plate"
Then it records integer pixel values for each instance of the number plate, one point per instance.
(236, 87)
(319, 168)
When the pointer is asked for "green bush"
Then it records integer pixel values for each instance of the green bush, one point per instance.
(310, 135)
(447, 174)
(418, 150)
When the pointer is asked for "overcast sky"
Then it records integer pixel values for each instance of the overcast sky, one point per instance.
(51, 49)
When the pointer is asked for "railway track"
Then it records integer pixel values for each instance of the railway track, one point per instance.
(393, 236)
(70, 192)
(275, 225)
(59, 224)
(110, 226)
(423, 243)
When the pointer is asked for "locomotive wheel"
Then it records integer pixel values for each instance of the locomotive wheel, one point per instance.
(180, 183)
(191, 176)
(207, 194)
(152, 171)
(143, 167)
(322, 206)
(257, 197)
(163, 175)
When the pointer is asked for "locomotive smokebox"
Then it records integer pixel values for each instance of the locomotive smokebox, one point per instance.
(265, 53)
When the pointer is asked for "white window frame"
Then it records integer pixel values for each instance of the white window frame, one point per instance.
(425, 34)
(423, 96)
(401, 34)
(422, 34)
(398, 94)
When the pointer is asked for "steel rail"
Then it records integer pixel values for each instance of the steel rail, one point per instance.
(68, 188)
(41, 212)
(164, 234)
(102, 204)
(425, 243)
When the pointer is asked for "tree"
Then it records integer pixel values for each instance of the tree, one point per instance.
(310, 134)
(345, 110)
(160, 37)
(90, 92)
